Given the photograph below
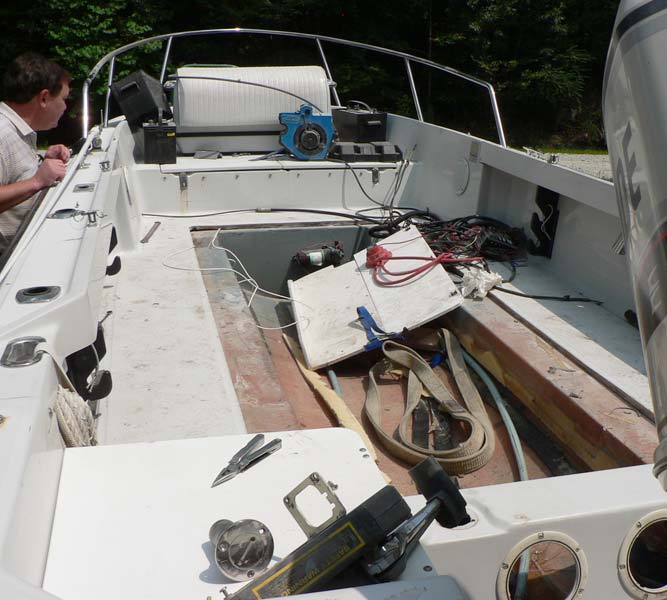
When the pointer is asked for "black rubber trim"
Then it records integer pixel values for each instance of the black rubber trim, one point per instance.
(638, 15)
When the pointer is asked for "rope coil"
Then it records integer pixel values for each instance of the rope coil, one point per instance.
(75, 419)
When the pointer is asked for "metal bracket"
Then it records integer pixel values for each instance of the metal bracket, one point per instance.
(105, 166)
(183, 181)
(64, 213)
(93, 215)
(473, 157)
(70, 213)
(547, 157)
(315, 480)
(21, 352)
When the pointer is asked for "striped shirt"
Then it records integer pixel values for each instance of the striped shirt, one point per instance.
(18, 161)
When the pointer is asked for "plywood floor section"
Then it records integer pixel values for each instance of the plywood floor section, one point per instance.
(274, 396)
(310, 412)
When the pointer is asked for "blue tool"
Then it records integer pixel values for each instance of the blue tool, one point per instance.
(246, 457)
(374, 333)
(437, 359)
(307, 136)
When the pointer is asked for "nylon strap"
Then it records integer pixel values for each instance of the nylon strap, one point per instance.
(470, 455)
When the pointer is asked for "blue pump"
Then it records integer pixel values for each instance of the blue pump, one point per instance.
(307, 136)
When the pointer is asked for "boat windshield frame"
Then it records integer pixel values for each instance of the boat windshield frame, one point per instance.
(408, 60)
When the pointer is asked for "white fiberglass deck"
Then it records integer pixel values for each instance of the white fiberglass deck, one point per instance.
(170, 374)
(604, 344)
(171, 379)
(132, 520)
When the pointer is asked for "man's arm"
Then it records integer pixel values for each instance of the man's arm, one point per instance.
(50, 172)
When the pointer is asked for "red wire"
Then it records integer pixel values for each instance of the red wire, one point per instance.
(378, 256)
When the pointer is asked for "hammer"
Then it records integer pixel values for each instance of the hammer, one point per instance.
(444, 503)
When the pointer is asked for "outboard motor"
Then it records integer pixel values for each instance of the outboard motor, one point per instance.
(635, 119)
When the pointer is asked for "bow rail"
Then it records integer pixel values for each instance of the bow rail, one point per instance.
(408, 60)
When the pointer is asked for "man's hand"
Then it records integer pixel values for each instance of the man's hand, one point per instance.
(58, 151)
(51, 171)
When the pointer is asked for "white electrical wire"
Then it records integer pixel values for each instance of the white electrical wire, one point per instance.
(546, 220)
(245, 277)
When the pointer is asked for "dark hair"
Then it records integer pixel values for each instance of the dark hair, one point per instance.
(29, 74)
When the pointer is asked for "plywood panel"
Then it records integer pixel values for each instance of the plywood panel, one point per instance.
(325, 303)
(603, 344)
(594, 425)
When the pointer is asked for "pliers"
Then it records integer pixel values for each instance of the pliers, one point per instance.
(246, 457)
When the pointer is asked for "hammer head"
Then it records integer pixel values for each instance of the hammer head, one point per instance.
(434, 484)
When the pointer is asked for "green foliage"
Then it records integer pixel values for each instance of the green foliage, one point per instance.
(81, 32)
(527, 50)
(545, 59)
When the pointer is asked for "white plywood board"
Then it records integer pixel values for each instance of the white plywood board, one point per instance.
(132, 520)
(325, 303)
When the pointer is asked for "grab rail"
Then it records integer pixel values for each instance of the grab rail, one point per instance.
(408, 59)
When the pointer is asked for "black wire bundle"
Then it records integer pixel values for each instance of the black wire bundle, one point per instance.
(476, 235)
(465, 237)
(397, 220)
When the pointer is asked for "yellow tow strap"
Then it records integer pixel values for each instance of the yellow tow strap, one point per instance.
(468, 456)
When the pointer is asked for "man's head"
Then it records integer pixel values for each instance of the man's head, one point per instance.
(38, 87)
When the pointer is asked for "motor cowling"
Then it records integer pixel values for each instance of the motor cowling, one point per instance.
(635, 119)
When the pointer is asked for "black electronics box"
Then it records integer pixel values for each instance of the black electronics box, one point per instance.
(355, 125)
(140, 98)
(159, 143)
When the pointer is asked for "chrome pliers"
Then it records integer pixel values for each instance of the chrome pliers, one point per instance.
(246, 457)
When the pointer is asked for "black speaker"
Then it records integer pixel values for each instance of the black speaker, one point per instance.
(140, 98)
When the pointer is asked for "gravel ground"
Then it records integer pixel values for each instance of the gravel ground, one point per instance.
(596, 165)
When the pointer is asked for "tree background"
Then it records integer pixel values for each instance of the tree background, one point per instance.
(545, 59)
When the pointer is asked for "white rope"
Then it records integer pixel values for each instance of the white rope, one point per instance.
(75, 419)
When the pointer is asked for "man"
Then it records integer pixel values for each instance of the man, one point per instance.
(35, 90)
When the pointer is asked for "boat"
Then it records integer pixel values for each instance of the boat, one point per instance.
(143, 307)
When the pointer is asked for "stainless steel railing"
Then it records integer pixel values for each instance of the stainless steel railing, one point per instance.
(408, 60)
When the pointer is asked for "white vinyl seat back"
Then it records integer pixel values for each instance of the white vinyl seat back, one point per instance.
(209, 104)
